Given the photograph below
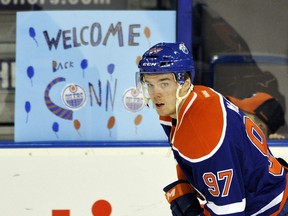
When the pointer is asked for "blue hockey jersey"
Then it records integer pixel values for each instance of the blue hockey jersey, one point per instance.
(225, 156)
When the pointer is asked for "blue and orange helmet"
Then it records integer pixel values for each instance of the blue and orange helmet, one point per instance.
(167, 58)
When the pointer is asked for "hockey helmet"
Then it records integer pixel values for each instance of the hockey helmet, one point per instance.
(167, 58)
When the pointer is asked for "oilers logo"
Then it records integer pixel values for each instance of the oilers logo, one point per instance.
(74, 96)
(183, 48)
(133, 100)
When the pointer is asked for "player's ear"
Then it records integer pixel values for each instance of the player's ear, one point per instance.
(185, 88)
(187, 83)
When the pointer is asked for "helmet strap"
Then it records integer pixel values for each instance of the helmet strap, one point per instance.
(180, 99)
(145, 98)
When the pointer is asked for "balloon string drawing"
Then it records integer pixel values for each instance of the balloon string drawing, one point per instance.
(32, 34)
(84, 65)
(110, 69)
(27, 109)
(77, 126)
(137, 121)
(55, 128)
(30, 74)
(147, 33)
(110, 124)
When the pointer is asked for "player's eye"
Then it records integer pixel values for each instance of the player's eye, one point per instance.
(164, 85)
(149, 85)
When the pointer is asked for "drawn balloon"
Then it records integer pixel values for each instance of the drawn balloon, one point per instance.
(30, 73)
(110, 124)
(32, 34)
(137, 121)
(77, 125)
(138, 59)
(55, 128)
(27, 109)
(110, 69)
(147, 33)
(84, 65)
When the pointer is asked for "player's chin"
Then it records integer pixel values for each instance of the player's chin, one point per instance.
(162, 112)
(159, 111)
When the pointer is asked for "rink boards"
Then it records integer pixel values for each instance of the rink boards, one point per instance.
(83, 181)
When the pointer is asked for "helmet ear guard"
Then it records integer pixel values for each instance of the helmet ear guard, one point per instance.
(181, 77)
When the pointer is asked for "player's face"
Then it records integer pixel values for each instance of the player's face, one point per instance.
(162, 91)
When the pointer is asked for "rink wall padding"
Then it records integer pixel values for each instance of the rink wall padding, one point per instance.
(79, 178)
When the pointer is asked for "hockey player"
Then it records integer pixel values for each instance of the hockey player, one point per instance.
(222, 156)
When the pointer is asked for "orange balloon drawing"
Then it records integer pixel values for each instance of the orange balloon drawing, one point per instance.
(138, 60)
(147, 32)
(138, 119)
(77, 124)
(111, 122)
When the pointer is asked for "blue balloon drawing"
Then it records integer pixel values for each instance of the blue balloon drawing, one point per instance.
(55, 128)
(110, 69)
(30, 73)
(84, 65)
(27, 109)
(32, 34)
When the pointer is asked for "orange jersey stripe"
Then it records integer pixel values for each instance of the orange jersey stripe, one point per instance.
(165, 120)
(200, 124)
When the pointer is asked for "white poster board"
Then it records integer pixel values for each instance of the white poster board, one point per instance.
(75, 74)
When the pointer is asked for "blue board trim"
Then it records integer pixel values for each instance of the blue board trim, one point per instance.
(108, 144)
